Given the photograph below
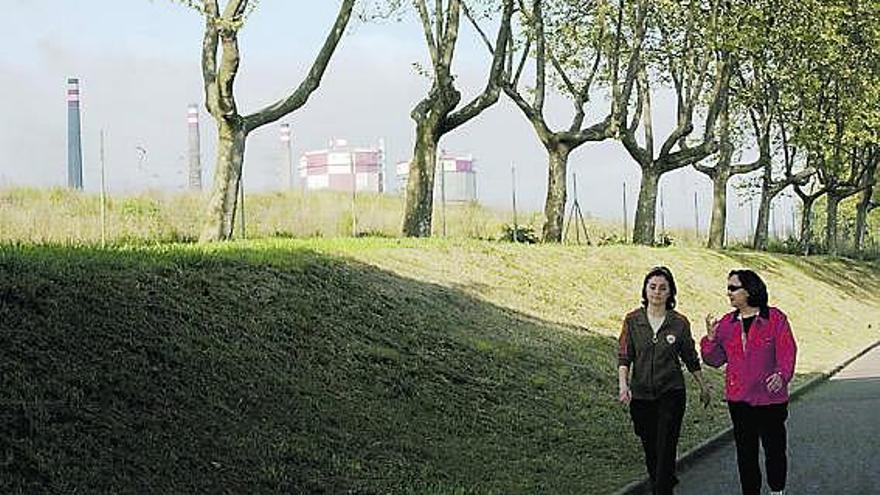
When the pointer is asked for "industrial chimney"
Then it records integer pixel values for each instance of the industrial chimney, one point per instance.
(287, 159)
(195, 154)
(74, 136)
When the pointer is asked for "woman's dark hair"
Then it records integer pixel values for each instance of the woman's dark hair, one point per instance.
(660, 271)
(753, 284)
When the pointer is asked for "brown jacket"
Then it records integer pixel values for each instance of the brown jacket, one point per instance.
(656, 362)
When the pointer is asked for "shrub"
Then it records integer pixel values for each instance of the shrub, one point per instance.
(664, 240)
(521, 233)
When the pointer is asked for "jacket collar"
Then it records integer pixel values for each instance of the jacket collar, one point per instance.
(643, 317)
(763, 312)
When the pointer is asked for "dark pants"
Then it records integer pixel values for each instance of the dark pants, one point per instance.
(658, 424)
(767, 424)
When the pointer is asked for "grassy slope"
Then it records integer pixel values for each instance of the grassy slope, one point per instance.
(366, 366)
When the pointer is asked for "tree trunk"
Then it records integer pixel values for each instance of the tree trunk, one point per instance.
(762, 229)
(807, 225)
(833, 201)
(717, 230)
(227, 179)
(221, 29)
(418, 211)
(862, 218)
(646, 210)
(554, 206)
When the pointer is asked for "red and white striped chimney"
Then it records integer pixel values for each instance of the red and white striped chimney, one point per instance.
(195, 154)
(286, 175)
(74, 136)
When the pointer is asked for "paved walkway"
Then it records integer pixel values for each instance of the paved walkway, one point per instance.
(833, 441)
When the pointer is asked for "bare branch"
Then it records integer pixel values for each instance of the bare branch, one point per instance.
(450, 36)
(522, 63)
(647, 120)
(622, 100)
(209, 58)
(235, 9)
(229, 62)
(540, 56)
(565, 79)
(438, 20)
(477, 27)
(433, 49)
(301, 95)
(493, 86)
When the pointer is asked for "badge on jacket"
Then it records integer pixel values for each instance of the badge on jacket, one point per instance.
(670, 339)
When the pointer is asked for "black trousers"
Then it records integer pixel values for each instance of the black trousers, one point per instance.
(658, 424)
(767, 425)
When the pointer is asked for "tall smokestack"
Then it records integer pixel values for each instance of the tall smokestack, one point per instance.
(195, 153)
(74, 136)
(287, 162)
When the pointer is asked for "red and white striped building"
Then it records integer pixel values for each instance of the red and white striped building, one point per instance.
(455, 177)
(343, 168)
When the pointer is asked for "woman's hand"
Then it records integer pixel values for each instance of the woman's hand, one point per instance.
(625, 395)
(711, 326)
(705, 394)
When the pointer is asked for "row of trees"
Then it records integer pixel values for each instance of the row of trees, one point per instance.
(795, 83)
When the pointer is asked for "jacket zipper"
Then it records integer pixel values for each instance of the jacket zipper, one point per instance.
(653, 386)
(651, 339)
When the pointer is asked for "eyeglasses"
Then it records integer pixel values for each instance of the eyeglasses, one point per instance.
(734, 288)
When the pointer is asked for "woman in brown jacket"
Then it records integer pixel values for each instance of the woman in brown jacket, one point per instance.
(655, 339)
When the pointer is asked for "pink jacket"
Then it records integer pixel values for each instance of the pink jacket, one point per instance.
(769, 348)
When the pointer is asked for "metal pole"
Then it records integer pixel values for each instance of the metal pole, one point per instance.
(662, 213)
(574, 187)
(241, 196)
(625, 227)
(381, 165)
(103, 197)
(352, 156)
(772, 220)
(751, 220)
(443, 191)
(513, 191)
(696, 215)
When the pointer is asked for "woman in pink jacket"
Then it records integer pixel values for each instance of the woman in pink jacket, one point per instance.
(756, 343)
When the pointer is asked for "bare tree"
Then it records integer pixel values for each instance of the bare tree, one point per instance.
(766, 113)
(220, 64)
(771, 187)
(589, 40)
(724, 169)
(436, 114)
(809, 192)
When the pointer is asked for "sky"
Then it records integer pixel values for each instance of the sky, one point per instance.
(138, 62)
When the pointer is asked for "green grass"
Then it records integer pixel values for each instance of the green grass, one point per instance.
(357, 365)
(69, 217)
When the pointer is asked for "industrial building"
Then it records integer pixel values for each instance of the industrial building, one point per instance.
(342, 167)
(455, 178)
